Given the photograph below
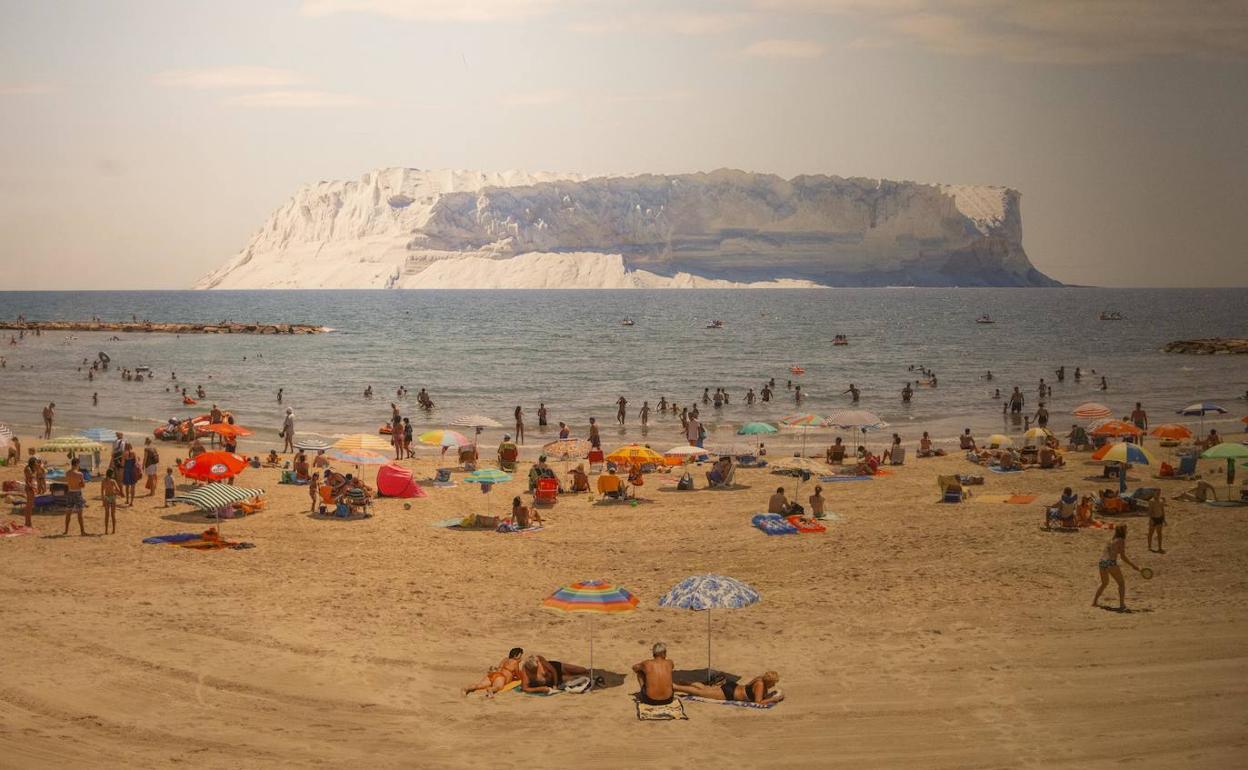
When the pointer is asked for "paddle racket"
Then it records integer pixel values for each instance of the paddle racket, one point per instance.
(1146, 573)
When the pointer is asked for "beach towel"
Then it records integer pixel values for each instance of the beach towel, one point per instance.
(999, 469)
(773, 524)
(838, 477)
(208, 540)
(648, 713)
(512, 529)
(807, 527)
(16, 530)
(777, 694)
(1021, 499)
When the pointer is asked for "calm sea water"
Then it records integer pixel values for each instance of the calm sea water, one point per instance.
(486, 352)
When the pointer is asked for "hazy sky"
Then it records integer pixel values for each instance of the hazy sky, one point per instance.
(141, 143)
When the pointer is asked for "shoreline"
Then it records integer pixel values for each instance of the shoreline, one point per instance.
(162, 327)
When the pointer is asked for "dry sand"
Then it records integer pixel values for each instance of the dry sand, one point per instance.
(912, 634)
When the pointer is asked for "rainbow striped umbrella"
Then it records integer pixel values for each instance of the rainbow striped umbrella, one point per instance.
(592, 596)
(803, 420)
(445, 438)
(358, 457)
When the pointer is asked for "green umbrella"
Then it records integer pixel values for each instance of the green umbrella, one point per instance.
(755, 429)
(487, 478)
(1228, 452)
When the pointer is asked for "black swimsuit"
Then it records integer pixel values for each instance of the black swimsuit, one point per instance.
(730, 691)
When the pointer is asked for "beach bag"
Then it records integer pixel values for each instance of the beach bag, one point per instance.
(578, 684)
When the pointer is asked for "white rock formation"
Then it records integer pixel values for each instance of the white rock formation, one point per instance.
(406, 228)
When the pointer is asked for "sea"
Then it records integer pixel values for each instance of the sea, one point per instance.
(486, 352)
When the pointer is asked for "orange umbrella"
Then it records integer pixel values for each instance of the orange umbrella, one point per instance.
(213, 466)
(225, 429)
(1116, 428)
(1171, 430)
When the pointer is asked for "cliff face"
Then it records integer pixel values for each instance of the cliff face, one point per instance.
(388, 228)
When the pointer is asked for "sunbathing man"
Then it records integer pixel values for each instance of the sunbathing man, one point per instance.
(778, 503)
(719, 472)
(541, 675)
(654, 677)
(500, 676)
(273, 461)
(760, 690)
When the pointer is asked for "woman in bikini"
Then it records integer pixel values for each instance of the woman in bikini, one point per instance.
(541, 675)
(500, 676)
(759, 690)
(1115, 549)
(109, 489)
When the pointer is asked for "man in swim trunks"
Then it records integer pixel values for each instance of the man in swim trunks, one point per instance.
(541, 675)
(654, 677)
(1156, 520)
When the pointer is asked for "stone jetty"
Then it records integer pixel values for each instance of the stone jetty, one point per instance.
(162, 328)
(1209, 346)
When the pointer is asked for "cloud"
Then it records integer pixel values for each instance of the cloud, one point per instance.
(296, 99)
(432, 10)
(692, 23)
(785, 49)
(1050, 31)
(25, 89)
(540, 98)
(226, 77)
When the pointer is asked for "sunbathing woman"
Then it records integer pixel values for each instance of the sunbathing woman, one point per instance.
(760, 690)
(500, 676)
(580, 479)
(541, 675)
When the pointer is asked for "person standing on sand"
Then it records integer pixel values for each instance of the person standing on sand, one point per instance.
(693, 430)
(1156, 521)
(1139, 417)
(1115, 549)
(396, 435)
(288, 431)
(314, 491)
(109, 489)
(151, 464)
(595, 440)
(31, 487)
(519, 425)
(74, 482)
(654, 677)
(130, 473)
(620, 404)
(49, 412)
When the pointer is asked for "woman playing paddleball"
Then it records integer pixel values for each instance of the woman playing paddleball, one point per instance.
(1115, 549)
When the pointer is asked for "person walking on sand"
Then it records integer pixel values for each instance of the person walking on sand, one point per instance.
(595, 440)
(654, 677)
(130, 473)
(519, 425)
(1115, 549)
(74, 482)
(1156, 520)
(288, 431)
(49, 412)
(109, 489)
(693, 431)
(30, 481)
(151, 465)
(620, 404)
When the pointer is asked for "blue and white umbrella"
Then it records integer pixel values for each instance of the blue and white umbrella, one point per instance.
(1200, 409)
(708, 592)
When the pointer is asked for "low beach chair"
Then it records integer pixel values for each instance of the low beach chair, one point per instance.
(546, 492)
(837, 454)
(507, 457)
(1187, 467)
(897, 456)
(596, 460)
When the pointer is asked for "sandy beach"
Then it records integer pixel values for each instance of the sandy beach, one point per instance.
(911, 634)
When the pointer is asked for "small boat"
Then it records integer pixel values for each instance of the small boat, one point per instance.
(142, 369)
(797, 370)
(985, 319)
(715, 325)
(1112, 315)
(628, 322)
(840, 339)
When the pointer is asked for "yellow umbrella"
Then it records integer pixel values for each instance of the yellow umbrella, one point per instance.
(1036, 434)
(1000, 440)
(635, 454)
(362, 441)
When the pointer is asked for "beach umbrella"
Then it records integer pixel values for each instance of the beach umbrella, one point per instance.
(1116, 428)
(803, 420)
(861, 419)
(684, 450)
(755, 429)
(1000, 440)
(99, 434)
(476, 421)
(216, 496)
(1200, 409)
(1036, 434)
(703, 593)
(596, 597)
(487, 478)
(358, 457)
(5, 431)
(213, 466)
(363, 441)
(804, 464)
(444, 438)
(635, 454)
(1228, 452)
(1091, 410)
(226, 430)
(1171, 430)
(70, 444)
(565, 448)
(312, 443)
(1124, 452)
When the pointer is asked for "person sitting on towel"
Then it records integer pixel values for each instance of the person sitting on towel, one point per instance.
(1049, 458)
(654, 677)
(321, 460)
(523, 517)
(273, 461)
(541, 675)
(760, 690)
(967, 441)
(580, 479)
(778, 503)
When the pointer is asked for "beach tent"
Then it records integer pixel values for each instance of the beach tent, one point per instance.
(396, 481)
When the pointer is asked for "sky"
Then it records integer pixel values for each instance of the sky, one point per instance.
(143, 142)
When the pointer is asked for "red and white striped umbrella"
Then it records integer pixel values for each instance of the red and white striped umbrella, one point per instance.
(1092, 410)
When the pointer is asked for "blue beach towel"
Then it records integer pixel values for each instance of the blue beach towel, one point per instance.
(177, 537)
(998, 469)
(836, 478)
(773, 524)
